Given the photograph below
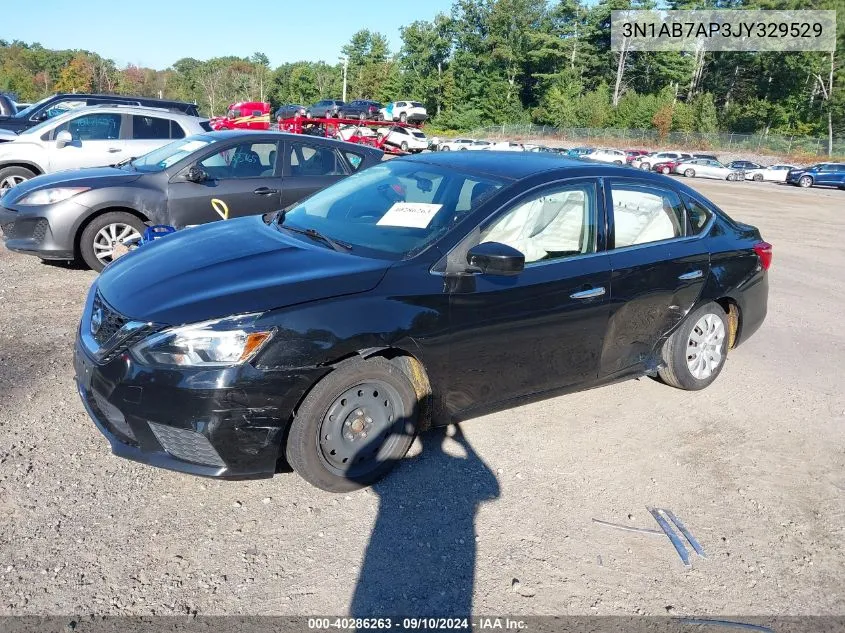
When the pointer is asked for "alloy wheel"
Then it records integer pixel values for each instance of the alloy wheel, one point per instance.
(10, 181)
(704, 346)
(110, 236)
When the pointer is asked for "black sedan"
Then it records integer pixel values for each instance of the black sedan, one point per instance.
(423, 290)
(85, 213)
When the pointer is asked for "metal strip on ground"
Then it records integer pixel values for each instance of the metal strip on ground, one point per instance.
(679, 546)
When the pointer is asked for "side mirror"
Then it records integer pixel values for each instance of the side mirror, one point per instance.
(63, 138)
(42, 116)
(196, 174)
(495, 258)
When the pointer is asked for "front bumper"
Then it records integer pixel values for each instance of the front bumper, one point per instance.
(227, 422)
(44, 231)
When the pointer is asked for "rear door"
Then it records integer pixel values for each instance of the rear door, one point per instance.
(309, 167)
(98, 140)
(148, 133)
(827, 175)
(658, 270)
(243, 179)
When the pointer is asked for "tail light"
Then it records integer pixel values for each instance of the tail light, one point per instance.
(764, 253)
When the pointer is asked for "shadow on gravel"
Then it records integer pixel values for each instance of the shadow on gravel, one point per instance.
(420, 560)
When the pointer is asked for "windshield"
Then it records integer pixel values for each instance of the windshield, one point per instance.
(163, 157)
(27, 112)
(395, 209)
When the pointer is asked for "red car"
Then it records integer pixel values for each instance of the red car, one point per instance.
(244, 115)
(667, 166)
(631, 154)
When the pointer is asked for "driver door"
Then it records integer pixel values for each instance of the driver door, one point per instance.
(243, 179)
(544, 328)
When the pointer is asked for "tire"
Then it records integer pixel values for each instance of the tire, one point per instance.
(11, 176)
(445, 148)
(758, 178)
(98, 231)
(731, 178)
(645, 166)
(680, 353)
(689, 173)
(665, 171)
(403, 146)
(805, 181)
(403, 118)
(618, 162)
(318, 445)
(362, 116)
(328, 114)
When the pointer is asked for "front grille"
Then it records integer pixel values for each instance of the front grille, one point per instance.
(110, 321)
(186, 445)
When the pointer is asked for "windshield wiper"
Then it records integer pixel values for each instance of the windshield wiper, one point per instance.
(316, 235)
(126, 161)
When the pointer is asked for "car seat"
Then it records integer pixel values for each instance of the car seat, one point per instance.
(270, 170)
(246, 164)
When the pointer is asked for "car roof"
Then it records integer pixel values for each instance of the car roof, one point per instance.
(509, 165)
(131, 109)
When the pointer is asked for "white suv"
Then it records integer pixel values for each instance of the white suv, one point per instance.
(92, 136)
(404, 111)
(408, 139)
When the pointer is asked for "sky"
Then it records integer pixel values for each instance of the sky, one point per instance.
(155, 33)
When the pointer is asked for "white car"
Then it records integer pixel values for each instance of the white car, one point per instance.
(774, 173)
(506, 146)
(605, 155)
(708, 168)
(649, 160)
(404, 111)
(455, 145)
(345, 132)
(91, 136)
(408, 139)
(479, 145)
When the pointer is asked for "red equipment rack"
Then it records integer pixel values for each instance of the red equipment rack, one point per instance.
(330, 128)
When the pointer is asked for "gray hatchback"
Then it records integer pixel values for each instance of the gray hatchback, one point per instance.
(84, 214)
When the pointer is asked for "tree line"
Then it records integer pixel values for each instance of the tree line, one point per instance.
(499, 61)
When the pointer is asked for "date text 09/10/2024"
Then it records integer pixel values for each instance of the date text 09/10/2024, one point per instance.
(414, 624)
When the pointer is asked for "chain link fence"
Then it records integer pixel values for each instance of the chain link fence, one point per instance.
(723, 141)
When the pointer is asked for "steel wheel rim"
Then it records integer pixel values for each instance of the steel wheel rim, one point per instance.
(110, 236)
(10, 181)
(704, 346)
(360, 427)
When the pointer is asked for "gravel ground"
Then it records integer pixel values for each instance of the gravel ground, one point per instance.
(497, 517)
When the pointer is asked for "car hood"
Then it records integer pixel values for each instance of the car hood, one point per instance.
(94, 177)
(231, 267)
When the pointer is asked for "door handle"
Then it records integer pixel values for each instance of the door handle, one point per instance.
(695, 274)
(588, 294)
(113, 150)
(265, 191)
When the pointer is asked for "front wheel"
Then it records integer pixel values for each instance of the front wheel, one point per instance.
(805, 181)
(695, 354)
(403, 146)
(445, 148)
(362, 116)
(11, 176)
(758, 178)
(403, 117)
(103, 233)
(666, 171)
(645, 166)
(689, 173)
(731, 177)
(354, 426)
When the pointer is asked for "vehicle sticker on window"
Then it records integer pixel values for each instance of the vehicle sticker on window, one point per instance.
(415, 215)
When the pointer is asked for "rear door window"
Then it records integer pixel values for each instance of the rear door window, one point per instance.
(643, 213)
(150, 128)
(314, 160)
(699, 215)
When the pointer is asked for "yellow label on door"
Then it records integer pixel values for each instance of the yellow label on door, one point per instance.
(221, 207)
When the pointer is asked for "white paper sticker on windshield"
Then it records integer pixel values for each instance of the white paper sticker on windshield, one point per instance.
(416, 215)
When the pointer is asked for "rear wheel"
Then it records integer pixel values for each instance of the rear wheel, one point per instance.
(363, 116)
(354, 426)
(666, 170)
(695, 354)
(805, 181)
(11, 176)
(103, 233)
(403, 117)
(444, 148)
(645, 166)
(689, 173)
(731, 177)
(403, 146)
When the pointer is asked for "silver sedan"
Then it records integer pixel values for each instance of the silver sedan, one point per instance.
(708, 168)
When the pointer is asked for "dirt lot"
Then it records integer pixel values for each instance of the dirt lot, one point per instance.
(499, 518)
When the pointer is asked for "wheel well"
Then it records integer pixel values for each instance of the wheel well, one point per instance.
(29, 166)
(731, 308)
(93, 216)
